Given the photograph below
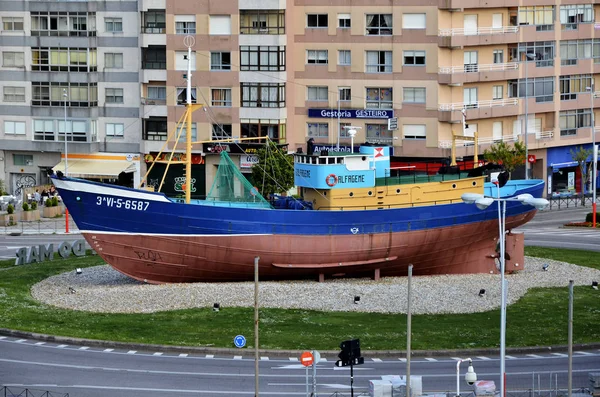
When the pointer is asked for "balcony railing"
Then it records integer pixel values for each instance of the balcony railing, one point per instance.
(446, 144)
(478, 31)
(478, 104)
(493, 67)
(153, 101)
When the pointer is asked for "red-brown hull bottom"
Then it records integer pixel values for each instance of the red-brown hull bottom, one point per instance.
(170, 259)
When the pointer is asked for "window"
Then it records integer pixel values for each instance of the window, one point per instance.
(572, 15)
(379, 24)
(182, 95)
(185, 24)
(114, 95)
(262, 21)
(22, 159)
(80, 24)
(379, 98)
(43, 130)
(572, 50)
(114, 25)
(274, 129)
(317, 56)
(571, 120)
(344, 127)
(344, 57)
(345, 94)
(64, 59)
(379, 133)
(414, 95)
(470, 98)
(498, 56)
(12, 23)
(76, 131)
(379, 62)
(497, 92)
(542, 51)
(181, 60)
(193, 134)
(220, 61)
(316, 20)
(154, 57)
(318, 130)
(471, 61)
(13, 59)
(497, 131)
(219, 24)
(267, 58)
(318, 94)
(221, 131)
(115, 129)
(266, 95)
(220, 97)
(542, 16)
(344, 21)
(155, 129)
(414, 131)
(154, 22)
(14, 94)
(542, 88)
(413, 21)
(14, 127)
(113, 60)
(570, 86)
(52, 94)
(414, 58)
(157, 93)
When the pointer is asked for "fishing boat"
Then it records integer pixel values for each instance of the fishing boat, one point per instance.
(357, 217)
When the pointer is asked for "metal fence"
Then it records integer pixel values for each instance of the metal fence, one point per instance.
(574, 201)
(42, 226)
(10, 391)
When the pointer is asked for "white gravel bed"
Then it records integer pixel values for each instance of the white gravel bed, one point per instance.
(103, 289)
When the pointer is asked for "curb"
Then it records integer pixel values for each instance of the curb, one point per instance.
(286, 353)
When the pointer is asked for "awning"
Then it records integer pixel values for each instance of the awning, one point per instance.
(95, 169)
(557, 166)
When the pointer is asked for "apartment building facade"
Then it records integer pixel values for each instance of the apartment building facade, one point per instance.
(283, 69)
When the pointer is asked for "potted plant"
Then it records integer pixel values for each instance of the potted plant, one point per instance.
(10, 218)
(52, 210)
(30, 214)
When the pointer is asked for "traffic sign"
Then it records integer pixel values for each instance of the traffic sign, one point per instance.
(239, 341)
(393, 123)
(306, 359)
(316, 356)
(531, 158)
(354, 361)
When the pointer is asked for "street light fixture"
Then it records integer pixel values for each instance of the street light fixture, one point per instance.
(470, 376)
(65, 96)
(482, 202)
(528, 57)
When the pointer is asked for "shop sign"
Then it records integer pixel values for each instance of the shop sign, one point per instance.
(352, 113)
(248, 160)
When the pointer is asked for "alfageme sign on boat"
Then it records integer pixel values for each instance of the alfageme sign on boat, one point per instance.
(45, 252)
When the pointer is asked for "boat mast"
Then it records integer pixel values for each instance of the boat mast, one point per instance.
(189, 41)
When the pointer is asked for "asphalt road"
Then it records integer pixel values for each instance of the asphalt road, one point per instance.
(94, 372)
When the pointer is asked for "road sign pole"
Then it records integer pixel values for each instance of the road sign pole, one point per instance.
(314, 380)
(351, 379)
(306, 381)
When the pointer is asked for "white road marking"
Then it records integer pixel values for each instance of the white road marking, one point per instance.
(21, 340)
(483, 358)
(430, 359)
(264, 358)
(534, 355)
(83, 348)
(237, 357)
(377, 360)
(40, 343)
(584, 353)
(61, 346)
(559, 354)
(183, 355)
(108, 350)
(402, 359)
(210, 356)
(132, 352)
(510, 357)
(157, 354)
(293, 358)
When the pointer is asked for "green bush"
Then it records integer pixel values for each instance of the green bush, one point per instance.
(48, 202)
(588, 217)
(54, 201)
(25, 207)
(10, 209)
(34, 205)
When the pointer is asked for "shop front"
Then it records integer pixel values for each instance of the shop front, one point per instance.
(564, 174)
(174, 184)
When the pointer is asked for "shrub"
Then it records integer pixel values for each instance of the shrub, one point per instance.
(34, 205)
(48, 203)
(25, 207)
(588, 217)
(10, 209)
(54, 201)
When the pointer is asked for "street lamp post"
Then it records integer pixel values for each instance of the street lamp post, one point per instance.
(526, 137)
(470, 376)
(483, 202)
(594, 154)
(65, 96)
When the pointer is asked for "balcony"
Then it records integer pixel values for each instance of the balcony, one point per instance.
(154, 107)
(153, 34)
(460, 37)
(458, 75)
(446, 144)
(452, 112)
(462, 4)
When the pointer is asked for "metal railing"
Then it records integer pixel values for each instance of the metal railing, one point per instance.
(478, 31)
(42, 226)
(445, 144)
(572, 201)
(11, 391)
(478, 104)
(492, 67)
